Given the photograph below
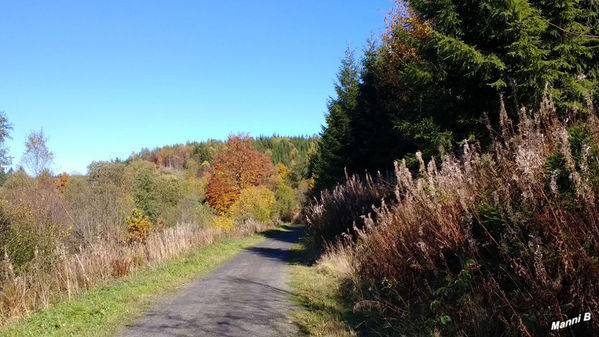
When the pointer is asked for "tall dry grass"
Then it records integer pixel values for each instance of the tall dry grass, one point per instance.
(489, 243)
(342, 211)
(69, 273)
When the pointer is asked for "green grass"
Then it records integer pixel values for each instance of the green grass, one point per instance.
(105, 309)
(323, 311)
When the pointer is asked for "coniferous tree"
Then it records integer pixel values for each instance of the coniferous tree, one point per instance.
(444, 64)
(482, 48)
(568, 37)
(333, 152)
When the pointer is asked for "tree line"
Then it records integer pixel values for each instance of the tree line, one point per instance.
(440, 73)
(480, 117)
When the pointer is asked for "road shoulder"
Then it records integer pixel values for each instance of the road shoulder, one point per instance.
(105, 309)
(321, 310)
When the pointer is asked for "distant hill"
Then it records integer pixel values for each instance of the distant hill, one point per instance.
(293, 152)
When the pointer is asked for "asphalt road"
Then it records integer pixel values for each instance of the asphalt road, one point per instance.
(248, 296)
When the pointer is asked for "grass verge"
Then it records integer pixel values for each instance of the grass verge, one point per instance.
(105, 309)
(322, 308)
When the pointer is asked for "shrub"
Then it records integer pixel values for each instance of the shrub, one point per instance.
(139, 226)
(33, 218)
(340, 211)
(21, 239)
(96, 210)
(98, 203)
(190, 210)
(223, 222)
(254, 203)
(286, 204)
(155, 191)
(196, 186)
(61, 182)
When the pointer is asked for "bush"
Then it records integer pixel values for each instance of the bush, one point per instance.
(33, 219)
(254, 203)
(223, 222)
(190, 210)
(139, 226)
(286, 204)
(155, 191)
(21, 239)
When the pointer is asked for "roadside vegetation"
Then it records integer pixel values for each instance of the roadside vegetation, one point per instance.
(62, 234)
(107, 307)
(477, 123)
(452, 192)
(322, 307)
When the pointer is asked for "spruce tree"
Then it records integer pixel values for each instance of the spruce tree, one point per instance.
(375, 140)
(512, 47)
(569, 25)
(332, 155)
(444, 64)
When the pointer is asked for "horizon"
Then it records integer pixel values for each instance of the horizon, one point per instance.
(104, 81)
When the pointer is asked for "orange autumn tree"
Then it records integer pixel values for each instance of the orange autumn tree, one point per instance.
(61, 182)
(236, 167)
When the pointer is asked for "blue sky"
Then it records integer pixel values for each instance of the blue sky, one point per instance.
(105, 78)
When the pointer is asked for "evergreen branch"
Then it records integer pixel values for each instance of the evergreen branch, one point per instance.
(590, 36)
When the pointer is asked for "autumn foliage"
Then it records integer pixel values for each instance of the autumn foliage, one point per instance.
(236, 167)
(138, 226)
(61, 182)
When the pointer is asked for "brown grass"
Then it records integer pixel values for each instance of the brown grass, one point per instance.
(340, 212)
(501, 242)
(70, 273)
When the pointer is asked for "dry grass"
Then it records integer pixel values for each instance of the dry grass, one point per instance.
(340, 212)
(69, 273)
(501, 242)
(337, 260)
(317, 288)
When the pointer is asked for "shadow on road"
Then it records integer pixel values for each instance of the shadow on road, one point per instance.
(245, 297)
(271, 253)
(285, 233)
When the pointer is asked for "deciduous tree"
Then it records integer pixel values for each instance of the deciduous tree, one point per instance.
(37, 156)
(5, 128)
(237, 166)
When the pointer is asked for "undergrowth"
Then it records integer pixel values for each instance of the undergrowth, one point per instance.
(492, 242)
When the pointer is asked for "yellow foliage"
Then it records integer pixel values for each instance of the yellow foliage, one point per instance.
(222, 222)
(310, 183)
(195, 185)
(282, 171)
(139, 226)
(256, 202)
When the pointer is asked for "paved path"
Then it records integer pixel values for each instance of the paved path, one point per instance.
(248, 296)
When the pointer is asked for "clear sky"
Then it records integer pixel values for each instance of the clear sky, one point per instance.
(106, 78)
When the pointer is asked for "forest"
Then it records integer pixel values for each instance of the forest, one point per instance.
(456, 179)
